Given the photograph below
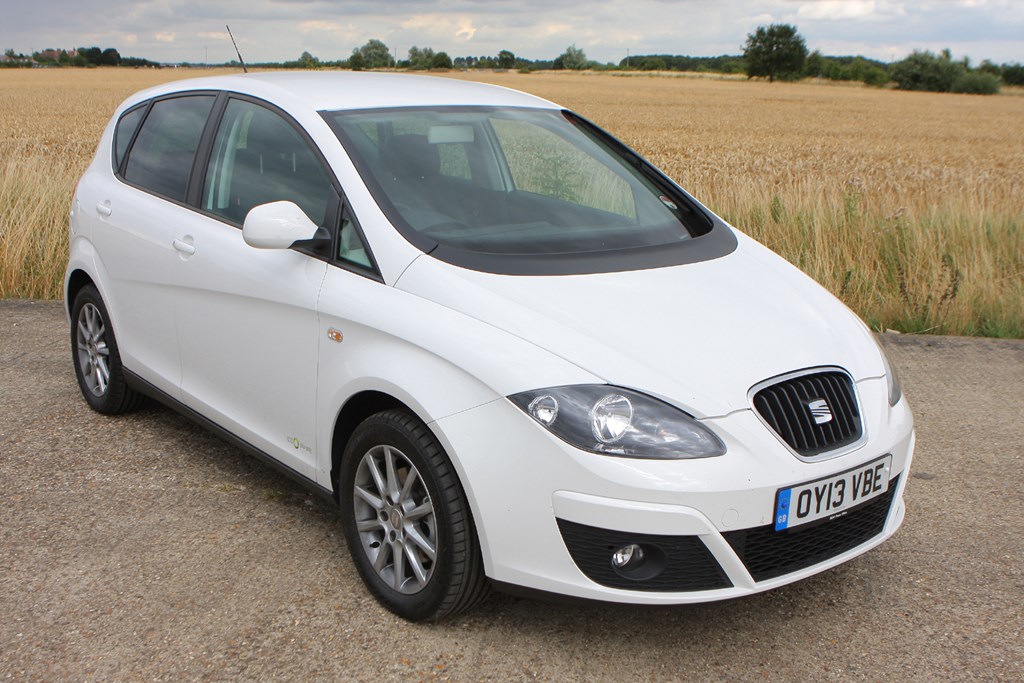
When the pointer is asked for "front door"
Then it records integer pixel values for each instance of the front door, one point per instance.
(247, 318)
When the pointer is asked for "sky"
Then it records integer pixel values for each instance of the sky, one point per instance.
(278, 30)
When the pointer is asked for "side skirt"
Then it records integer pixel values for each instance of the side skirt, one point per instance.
(143, 387)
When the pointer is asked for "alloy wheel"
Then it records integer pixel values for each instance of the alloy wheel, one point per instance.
(93, 352)
(395, 519)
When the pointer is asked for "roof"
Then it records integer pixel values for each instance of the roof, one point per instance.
(334, 90)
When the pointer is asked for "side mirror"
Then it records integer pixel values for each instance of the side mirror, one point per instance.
(279, 225)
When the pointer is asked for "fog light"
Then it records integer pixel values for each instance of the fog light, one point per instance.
(628, 556)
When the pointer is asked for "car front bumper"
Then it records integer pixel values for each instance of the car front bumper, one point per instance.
(533, 496)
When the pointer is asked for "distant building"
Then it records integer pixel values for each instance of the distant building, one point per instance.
(55, 55)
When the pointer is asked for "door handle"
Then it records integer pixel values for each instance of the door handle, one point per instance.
(104, 209)
(184, 247)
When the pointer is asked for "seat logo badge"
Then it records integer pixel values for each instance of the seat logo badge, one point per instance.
(820, 411)
(334, 334)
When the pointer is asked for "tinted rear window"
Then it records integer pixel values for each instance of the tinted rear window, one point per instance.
(161, 158)
(125, 130)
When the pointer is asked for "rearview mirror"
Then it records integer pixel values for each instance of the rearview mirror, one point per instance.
(278, 225)
(437, 135)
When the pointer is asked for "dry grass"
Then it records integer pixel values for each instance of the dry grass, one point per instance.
(50, 122)
(909, 206)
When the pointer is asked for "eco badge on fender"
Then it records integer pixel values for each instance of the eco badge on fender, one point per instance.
(297, 444)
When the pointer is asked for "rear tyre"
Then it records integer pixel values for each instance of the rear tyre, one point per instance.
(407, 522)
(95, 356)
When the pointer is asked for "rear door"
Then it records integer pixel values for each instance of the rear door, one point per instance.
(140, 209)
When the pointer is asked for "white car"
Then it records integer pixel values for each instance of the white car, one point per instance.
(513, 351)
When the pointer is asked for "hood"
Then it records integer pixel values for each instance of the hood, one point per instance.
(698, 335)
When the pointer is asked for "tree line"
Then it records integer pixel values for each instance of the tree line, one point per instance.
(775, 52)
(779, 52)
(83, 56)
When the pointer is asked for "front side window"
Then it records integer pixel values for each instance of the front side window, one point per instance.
(161, 158)
(351, 247)
(511, 183)
(258, 157)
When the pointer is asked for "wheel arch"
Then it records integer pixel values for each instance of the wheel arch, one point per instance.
(76, 280)
(357, 408)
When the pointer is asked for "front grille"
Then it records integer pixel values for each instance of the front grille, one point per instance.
(688, 564)
(768, 553)
(787, 408)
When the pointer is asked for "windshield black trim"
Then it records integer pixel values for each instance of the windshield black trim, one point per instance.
(717, 242)
(714, 241)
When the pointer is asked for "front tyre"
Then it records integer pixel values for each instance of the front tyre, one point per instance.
(95, 356)
(407, 523)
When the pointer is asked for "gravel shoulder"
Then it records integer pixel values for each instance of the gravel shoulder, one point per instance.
(143, 547)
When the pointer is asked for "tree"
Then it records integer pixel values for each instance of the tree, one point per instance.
(988, 67)
(776, 51)
(441, 61)
(421, 58)
(814, 65)
(308, 61)
(976, 83)
(110, 57)
(925, 70)
(375, 55)
(506, 59)
(1013, 74)
(573, 58)
(92, 55)
(653, 64)
(357, 62)
(133, 61)
(875, 76)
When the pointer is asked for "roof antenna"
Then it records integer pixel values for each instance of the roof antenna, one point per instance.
(240, 60)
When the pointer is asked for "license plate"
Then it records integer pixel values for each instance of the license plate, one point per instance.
(832, 496)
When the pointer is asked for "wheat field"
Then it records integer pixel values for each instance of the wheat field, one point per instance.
(908, 206)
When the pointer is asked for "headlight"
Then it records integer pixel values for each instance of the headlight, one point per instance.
(892, 382)
(613, 421)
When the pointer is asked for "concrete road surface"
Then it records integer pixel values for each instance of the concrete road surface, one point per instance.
(143, 548)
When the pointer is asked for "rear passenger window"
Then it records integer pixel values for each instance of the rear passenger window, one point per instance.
(123, 135)
(258, 157)
(161, 158)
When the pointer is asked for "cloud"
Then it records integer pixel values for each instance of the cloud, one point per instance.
(832, 10)
(164, 36)
(319, 26)
(554, 29)
(214, 35)
(465, 30)
(441, 27)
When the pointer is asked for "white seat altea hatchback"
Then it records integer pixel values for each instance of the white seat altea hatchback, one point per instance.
(513, 351)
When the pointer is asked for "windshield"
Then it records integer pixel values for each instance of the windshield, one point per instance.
(512, 182)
